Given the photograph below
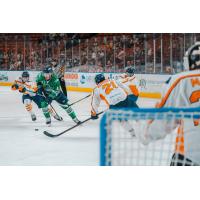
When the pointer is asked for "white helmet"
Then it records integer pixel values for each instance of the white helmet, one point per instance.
(191, 60)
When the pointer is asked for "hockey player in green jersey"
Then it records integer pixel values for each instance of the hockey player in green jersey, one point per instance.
(49, 85)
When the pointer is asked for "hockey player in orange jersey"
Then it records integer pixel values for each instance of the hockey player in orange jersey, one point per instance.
(113, 93)
(130, 84)
(29, 90)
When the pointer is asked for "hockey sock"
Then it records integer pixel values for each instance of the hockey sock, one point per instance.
(69, 110)
(46, 112)
(29, 108)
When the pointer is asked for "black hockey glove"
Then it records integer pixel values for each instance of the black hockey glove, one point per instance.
(41, 90)
(22, 90)
(94, 117)
(15, 86)
(39, 85)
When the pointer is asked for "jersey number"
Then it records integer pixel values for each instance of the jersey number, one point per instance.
(108, 87)
(195, 96)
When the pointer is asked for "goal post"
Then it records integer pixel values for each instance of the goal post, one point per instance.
(147, 136)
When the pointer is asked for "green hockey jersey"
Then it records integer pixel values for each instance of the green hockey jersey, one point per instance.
(51, 87)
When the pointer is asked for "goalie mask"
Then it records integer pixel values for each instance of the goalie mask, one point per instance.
(192, 57)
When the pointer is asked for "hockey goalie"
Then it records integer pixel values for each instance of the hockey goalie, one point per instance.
(182, 91)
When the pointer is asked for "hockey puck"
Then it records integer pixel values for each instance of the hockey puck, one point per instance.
(36, 129)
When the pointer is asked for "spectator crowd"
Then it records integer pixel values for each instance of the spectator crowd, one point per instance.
(87, 52)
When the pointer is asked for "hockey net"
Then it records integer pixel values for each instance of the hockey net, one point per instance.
(144, 136)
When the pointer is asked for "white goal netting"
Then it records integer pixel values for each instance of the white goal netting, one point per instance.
(150, 137)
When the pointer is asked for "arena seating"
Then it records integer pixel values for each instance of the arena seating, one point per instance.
(95, 52)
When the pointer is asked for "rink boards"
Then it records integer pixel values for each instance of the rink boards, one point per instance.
(150, 84)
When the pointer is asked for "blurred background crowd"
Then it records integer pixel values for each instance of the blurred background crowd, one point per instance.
(90, 52)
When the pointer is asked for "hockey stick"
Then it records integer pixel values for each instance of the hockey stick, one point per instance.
(71, 103)
(79, 100)
(51, 135)
(54, 110)
(43, 95)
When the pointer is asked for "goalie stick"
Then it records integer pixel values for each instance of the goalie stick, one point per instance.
(82, 122)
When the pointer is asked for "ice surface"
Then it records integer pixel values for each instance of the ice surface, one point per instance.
(21, 145)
